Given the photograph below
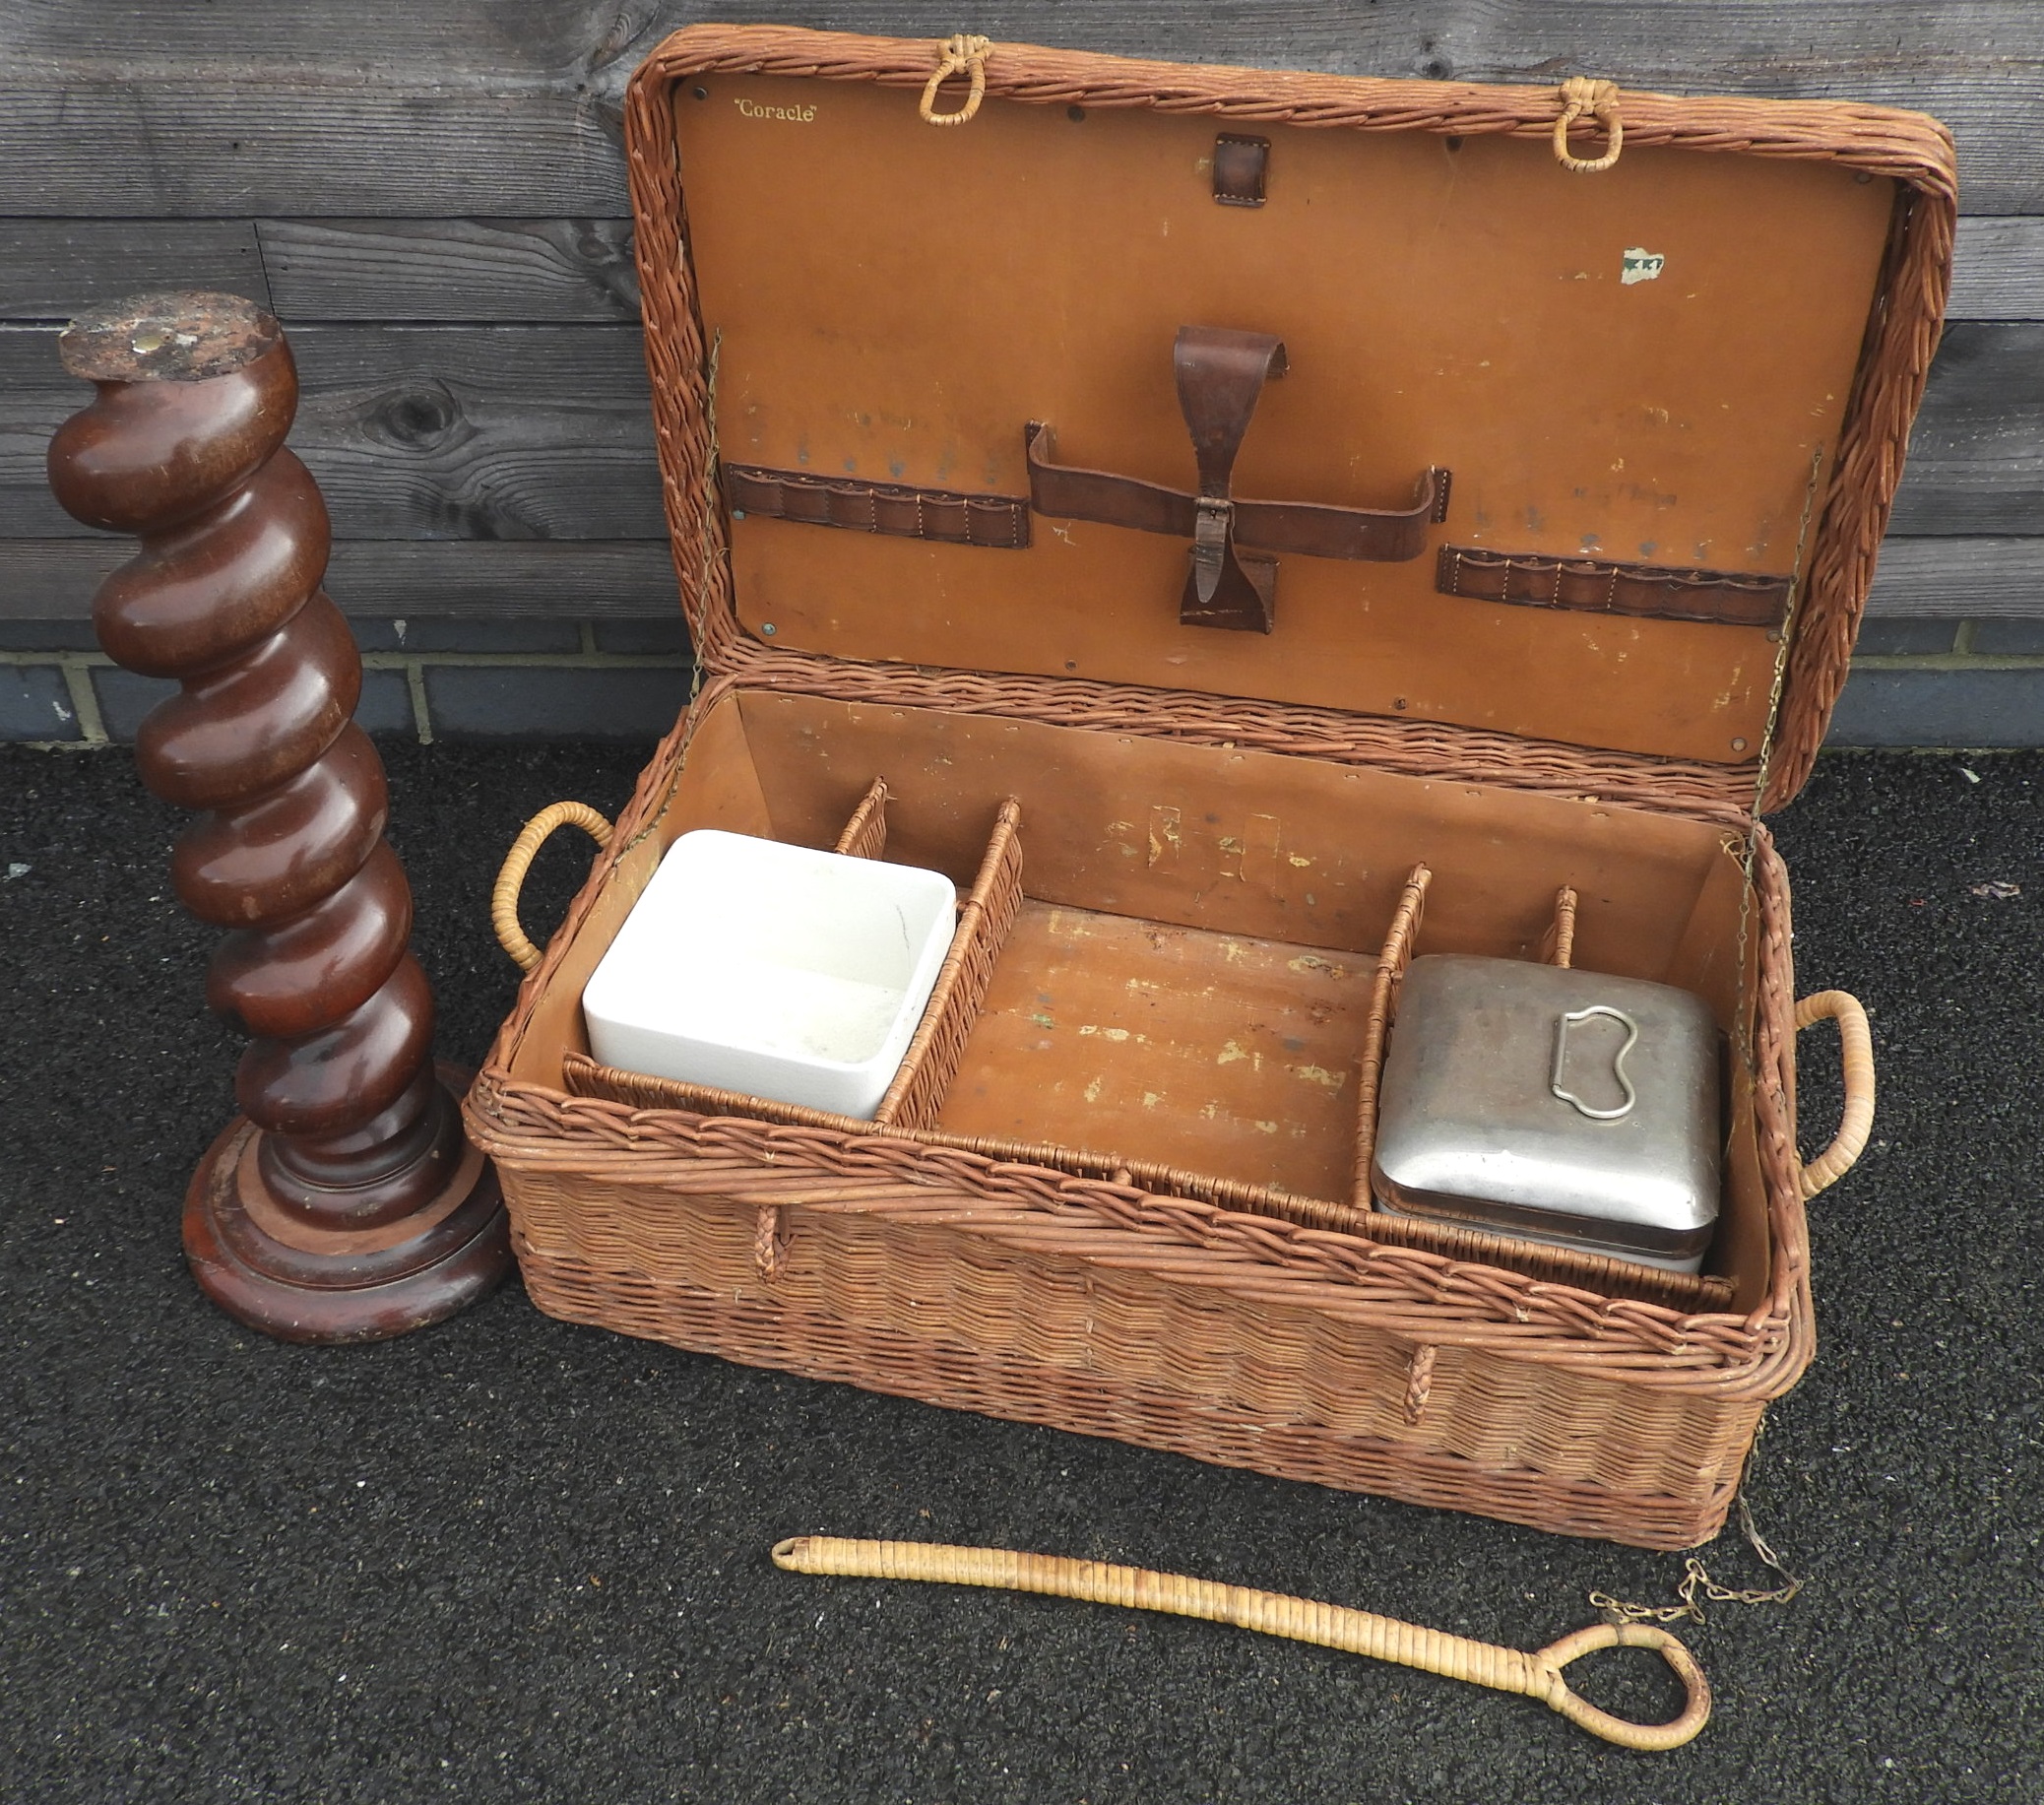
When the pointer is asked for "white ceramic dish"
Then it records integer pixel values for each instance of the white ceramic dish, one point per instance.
(772, 970)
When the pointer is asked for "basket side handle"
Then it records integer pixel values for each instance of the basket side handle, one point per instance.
(503, 898)
(1856, 1121)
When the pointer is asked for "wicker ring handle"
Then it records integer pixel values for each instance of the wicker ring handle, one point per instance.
(1856, 1121)
(1583, 95)
(963, 54)
(1695, 1712)
(503, 899)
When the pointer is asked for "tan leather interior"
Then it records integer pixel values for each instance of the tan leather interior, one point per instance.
(895, 303)
(1186, 981)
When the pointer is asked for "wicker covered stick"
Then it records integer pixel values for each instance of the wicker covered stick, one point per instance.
(1538, 1675)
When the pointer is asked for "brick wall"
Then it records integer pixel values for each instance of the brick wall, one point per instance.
(425, 680)
(1931, 684)
(1973, 683)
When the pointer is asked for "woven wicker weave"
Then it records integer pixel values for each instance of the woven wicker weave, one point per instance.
(1123, 1300)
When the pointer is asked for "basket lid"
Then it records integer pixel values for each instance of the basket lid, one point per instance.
(1147, 374)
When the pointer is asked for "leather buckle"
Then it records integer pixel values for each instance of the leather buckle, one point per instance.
(1220, 377)
(1213, 524)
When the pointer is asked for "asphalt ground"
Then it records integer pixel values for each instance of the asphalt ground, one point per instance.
(512, 1559)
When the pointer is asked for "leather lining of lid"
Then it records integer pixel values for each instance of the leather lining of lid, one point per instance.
(1653, 711)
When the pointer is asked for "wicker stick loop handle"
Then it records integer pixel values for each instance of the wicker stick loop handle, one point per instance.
(1856, 1121)
(964, 55)
(1583, 95)
(503, 898)
(1329, 1626)
(1651, 1737)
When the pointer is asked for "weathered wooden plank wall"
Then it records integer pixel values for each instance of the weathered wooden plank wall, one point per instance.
(430, 194)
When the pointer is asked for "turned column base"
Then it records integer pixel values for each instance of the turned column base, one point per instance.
(267, 1268)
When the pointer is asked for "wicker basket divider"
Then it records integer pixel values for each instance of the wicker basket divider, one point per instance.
(1559, 948)
(866, 833)
(931, 1060)
(1383, 1009)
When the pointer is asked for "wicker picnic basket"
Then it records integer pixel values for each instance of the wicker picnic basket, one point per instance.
(988, 1244)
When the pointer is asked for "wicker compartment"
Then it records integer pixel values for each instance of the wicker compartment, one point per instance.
(1340, 994)
(1110, 1239)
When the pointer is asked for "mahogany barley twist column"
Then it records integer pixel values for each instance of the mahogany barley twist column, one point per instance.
(345, 1204)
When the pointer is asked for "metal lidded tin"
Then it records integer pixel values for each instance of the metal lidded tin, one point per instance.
(1556, 1105)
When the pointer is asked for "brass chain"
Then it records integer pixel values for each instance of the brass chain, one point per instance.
(712, 478)
(1696, 1580)
(1749, 850)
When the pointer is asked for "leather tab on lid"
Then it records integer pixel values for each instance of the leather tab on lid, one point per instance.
(1239, 165)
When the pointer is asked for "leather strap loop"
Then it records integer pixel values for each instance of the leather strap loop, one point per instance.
(1389, 536)
(1532, 579)
(895, 509)
(1220, 376)
(1065, 492)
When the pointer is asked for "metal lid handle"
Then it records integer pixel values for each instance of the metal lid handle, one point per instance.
(1618, 1063)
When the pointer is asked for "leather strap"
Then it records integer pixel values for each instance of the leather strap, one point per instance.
(1595, 586)
(1065, 492)
(1220, 376)
(896, 510)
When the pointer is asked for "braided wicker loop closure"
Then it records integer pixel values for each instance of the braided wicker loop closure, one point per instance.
(1565, 927)
(1418, 1381)
(1856, 1123)
(770, 1241)
(503, 899)
(1581, 95)
(1536, 1675)
(961, 55)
